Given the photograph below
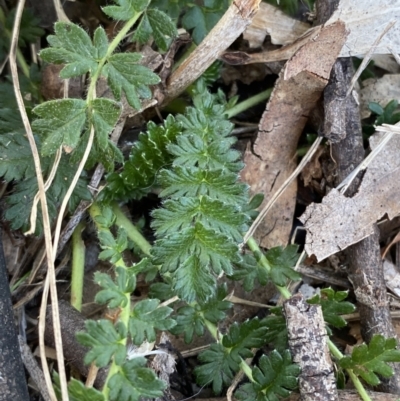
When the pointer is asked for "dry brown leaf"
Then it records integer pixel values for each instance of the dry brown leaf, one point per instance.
(270, 20)
(339, 222)
(273, 157)
(365, 21)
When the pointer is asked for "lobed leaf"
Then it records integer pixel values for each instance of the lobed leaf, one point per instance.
(370, 360)
(242, 337)
(105, 342)
(72, 46)
(125, 74)
(157, 24)
(217, 368)
(282, 261)
(60, 122)
(333, 306)
(275, 377)
(134, 381)
(145, 317)
(148, 155)
(105, 114)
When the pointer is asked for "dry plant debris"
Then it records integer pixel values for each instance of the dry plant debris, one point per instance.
(272, 159)
(339, 221)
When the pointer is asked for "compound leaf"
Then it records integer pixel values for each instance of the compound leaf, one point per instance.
(157, 24)
(147, 156)
(333, 306)
(60, 122)
(71, 45)
(242, 337)
(124, 73)
(147, 316)
(282, 261)
(134, 381)
(105, 342)
(275, 377)
(217, 368)
(370, 360)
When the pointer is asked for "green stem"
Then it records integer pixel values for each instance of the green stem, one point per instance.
(250, 102)
(356, 381)
(113, 45)
(131, 230)
(78, 267)
(262, 260)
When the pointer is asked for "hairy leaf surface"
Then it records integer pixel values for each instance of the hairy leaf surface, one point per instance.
(145, 317)
(125, 74)
(105, 341)
(135, 381)
(60, 122)
(71, 45)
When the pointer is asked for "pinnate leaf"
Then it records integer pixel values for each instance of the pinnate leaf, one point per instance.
(370, 360)
(249, 270)
(275, 377)
(71, 45)
(194, 281)
(242, 337)
(333, 305)
(157, 24)
(210, 247)
(105, 342)
(124, 73)
(147, 157)
(217, 367)
(116, 293)
(282, 261)
(134, 381)
(145, 317)
(60, 122)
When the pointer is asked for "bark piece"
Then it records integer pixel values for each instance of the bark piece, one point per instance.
(309, 348)
(12, 375)
(270, 20)
(272, 158)
(71, 322)
(229, 27)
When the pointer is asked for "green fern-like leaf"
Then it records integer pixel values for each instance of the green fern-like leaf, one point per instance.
(148, 155)
(333, 305)
(203, 217)
(275, 377)
(222, 360)
(190, 318)
(371, 360)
